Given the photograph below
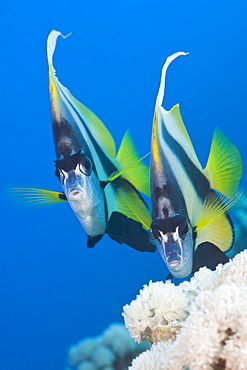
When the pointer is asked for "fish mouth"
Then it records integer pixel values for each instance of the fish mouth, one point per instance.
(75, 192)
(174, 259)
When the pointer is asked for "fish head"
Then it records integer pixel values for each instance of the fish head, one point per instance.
(176, 243)
(83, 191)
(74, 173)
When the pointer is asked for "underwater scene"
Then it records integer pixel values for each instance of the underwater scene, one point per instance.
(123, 189)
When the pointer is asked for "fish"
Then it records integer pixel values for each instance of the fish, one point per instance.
(102, 187)
(189, 203)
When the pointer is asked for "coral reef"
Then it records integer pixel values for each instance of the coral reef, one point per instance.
(113, 350)
(207, 324)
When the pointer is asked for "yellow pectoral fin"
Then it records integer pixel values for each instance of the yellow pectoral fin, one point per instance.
(35, 197)
(219, 232)
(224, 166)
(130, 165)
(215, 205)
(131, 204)
(116, 174)
(214, 224)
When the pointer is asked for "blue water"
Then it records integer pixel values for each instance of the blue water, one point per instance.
(54, 291)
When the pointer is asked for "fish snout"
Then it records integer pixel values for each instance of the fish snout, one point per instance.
(172, 253)
(177, 253)
(74, 186)
(173, 259)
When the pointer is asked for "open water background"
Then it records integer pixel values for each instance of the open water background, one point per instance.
(53, 290)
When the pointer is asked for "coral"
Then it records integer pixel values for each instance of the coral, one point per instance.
(113, 350)
(213, 334)
(203, 279)
(87, 365)
(81, 351)
(157, 305)
(153, 359)
(234, 271)
(214, 331)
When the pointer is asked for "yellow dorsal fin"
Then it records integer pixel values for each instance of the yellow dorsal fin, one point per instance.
(224, 166)
(129, 202)
(130, 165)
(35, 197)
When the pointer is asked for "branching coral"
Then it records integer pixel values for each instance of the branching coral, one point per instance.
(213, 333)
(157, 305)
(162, 307)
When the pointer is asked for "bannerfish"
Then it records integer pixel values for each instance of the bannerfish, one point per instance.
(99, 185)
(189, 203)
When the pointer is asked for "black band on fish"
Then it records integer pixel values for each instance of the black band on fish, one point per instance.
(67, 138)
(69, 163)
(199, 181)
(168, 224)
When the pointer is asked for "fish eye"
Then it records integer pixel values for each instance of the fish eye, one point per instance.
(183, 229)
(86, 166)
